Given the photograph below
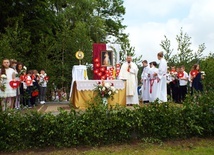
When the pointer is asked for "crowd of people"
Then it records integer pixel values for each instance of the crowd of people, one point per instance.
(159, 83)
(153, 79)
(20, 88)
(177, 80)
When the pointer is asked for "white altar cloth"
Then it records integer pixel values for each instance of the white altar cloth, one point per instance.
(79, 72)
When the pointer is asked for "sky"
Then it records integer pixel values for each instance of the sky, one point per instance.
(148, 21)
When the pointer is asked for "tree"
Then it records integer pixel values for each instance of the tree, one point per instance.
(166, 45)
(15, 43)
(45, 34)
(184, 55)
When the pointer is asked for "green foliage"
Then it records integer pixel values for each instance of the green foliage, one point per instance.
(187, 57)
(184, 55)
(206, 65)
(46, 34)
(166, 45)
(99, 125)
(128, 50)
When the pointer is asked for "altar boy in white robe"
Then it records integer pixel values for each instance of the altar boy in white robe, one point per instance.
(145, 81)
(162, 84)
(129, 71)
(153, 82)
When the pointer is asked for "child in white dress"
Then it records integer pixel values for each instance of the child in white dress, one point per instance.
(8, 94)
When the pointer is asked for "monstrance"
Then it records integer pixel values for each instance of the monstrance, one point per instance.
(79, 55)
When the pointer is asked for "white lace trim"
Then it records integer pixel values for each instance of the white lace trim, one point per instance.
(91, 84)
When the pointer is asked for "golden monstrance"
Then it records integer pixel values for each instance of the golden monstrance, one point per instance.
(79, 55)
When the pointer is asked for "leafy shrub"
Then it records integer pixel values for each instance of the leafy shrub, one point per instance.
(99, 125)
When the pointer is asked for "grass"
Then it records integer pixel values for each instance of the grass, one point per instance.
(194, 146)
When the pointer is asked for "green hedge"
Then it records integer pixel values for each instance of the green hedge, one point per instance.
(99, 125)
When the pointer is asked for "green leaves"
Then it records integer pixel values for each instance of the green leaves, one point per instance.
(46, 34)
(100, 125)
(184, 55)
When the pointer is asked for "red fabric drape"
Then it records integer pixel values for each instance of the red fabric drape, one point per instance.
(97, 48)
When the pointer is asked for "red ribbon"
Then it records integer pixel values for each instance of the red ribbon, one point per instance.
(151, 84)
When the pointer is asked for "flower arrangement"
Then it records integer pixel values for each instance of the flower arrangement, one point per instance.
(106, 90)
(3, 82)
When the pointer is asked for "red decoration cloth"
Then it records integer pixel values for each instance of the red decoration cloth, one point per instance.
(14, 84)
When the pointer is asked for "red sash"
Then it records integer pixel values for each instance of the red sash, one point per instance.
(151, 85)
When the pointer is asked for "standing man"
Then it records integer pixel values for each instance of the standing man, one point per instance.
(162, 83)
(129, 72)
(145, 81)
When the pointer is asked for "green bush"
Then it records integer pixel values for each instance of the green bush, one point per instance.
(99, 125)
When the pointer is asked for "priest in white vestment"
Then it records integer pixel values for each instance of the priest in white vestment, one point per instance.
(145, 81)
(153, 82)
(162, 84)
(129, 72)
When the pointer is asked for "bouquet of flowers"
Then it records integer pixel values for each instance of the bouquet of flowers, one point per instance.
(43, 78)
(173, 74)
(3, 82)
(106, 90)
(21, 72)
(203, 73)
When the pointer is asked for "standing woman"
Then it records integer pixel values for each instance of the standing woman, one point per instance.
(8, 94)
(197, 78)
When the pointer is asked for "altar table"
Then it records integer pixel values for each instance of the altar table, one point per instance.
(83, 93)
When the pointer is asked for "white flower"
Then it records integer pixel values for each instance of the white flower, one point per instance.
(100, 89)
(103, 89)
(113, 88)
(203, 73)
(116, 91)
(109, 93)
(3, 76)
(107, 85)
(25, 68)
